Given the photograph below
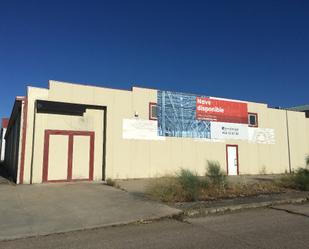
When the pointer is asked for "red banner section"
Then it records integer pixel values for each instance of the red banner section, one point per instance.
(221, 110)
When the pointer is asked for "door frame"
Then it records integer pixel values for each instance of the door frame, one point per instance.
(227, 158)
(71, 135)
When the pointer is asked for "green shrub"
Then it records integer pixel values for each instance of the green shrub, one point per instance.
(215, 174)
(301, 179)
(190, 183)
(307, 160)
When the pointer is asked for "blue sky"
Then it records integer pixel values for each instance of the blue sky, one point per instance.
(248, 50)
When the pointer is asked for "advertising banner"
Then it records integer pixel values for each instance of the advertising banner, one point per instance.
(221, 130)
(262, 135)
(218, 110)
(140, 129)
(188, 115)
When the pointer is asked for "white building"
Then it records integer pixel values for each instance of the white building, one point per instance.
(2, 135)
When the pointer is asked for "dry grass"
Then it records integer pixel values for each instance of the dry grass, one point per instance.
(287, 181)
(169, 189)
(239, 190)
(298, 180)
(186, 186)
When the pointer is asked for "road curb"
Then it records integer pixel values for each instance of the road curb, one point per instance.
(204, 211)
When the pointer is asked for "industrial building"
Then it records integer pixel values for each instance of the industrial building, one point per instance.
(302, 108)
(74, 132)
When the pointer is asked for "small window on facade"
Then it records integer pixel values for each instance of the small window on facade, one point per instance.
(153, 111)
(253, 119)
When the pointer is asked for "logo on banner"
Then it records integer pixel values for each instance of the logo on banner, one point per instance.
(221, 110)
(221, 130)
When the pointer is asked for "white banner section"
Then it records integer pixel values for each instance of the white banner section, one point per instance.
(221, 130)
(140, 129)
(262, 135)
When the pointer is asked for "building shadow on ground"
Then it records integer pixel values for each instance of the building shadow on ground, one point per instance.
(4, 175)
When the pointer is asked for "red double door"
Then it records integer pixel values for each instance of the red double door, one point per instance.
(68, 156)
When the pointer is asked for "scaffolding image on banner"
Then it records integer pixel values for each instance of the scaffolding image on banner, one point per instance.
(177, 116)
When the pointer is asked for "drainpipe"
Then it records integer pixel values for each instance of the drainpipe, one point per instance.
(33, 140)
(104, 144)
(288, 139)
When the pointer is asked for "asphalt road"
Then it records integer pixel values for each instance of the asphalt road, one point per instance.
(259, 228)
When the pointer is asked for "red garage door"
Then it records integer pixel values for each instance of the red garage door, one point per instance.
(68, 156)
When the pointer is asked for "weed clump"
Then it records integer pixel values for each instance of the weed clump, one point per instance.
(190, 183)
(301, 179)
(297, 180)
(112, 183)
(215, 174)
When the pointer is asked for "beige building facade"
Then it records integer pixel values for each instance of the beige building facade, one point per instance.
(74, 132)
